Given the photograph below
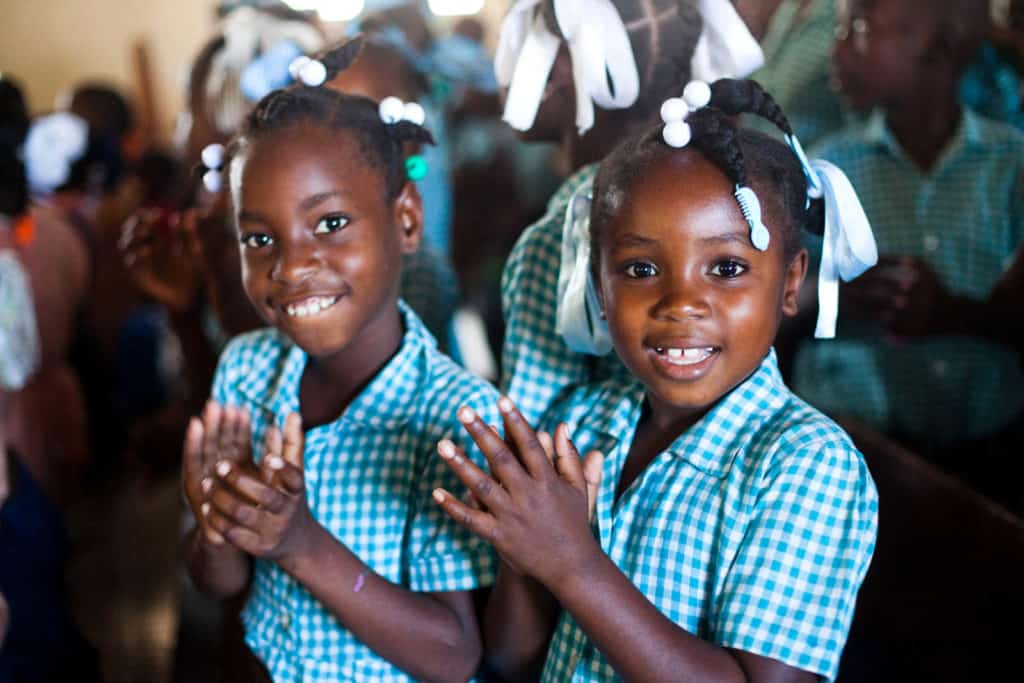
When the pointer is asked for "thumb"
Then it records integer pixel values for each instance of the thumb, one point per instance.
(592, 465)
(294, 441)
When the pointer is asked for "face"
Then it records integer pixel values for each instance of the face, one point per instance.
(692, 306)
(880, 51)
(320, 247)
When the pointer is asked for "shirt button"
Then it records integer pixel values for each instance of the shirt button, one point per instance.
(286, 620)
(931, 243)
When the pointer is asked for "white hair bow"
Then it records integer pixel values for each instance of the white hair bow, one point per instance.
(604, 69)
(54, 143)
(726, 48)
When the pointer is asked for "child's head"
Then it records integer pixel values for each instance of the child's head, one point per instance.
(692, 306)
(13, 129)
(889, 52)
(324, 211)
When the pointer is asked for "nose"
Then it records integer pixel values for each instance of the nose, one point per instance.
(296, 262)
(680, 300)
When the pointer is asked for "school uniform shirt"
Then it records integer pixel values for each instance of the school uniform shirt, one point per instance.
(965, 218)
(537, 365)
(369, 477)
(753, 530)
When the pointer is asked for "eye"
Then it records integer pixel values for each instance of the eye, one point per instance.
(257, 240)
(329, 224)
(728, 269)
(641, 269)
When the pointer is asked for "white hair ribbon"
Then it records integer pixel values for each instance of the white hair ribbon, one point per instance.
(578, 317)
(849, 246)
(54, 143)
(604, 68)
(726, 48)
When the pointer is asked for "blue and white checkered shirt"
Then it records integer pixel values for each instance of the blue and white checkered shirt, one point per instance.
(369, 478)
(965, 218)
(753, 531)
(536, 363)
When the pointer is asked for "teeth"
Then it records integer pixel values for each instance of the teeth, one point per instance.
(689, 356)
(310, 306)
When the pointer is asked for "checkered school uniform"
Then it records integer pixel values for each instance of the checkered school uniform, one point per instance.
(369, 478)
(752, 531)
(965, 218)
(536, 364)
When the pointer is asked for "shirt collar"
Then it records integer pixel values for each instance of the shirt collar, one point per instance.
(969, 133)
(568, 188)
(713, 442)
(387, 402)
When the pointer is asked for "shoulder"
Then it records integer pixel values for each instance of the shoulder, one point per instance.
(853, 138)
(449, 386)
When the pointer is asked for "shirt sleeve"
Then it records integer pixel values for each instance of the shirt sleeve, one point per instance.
(536, 363)
(444, 555)
(791, 590)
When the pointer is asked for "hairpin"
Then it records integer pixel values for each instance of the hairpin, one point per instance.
(311, 72)
(675, 111)
(416, 168)
(213, 161)
(392, 110)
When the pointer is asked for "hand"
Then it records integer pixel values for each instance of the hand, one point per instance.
(536, 512)
(163, 256)
(265, 513)
(222, 435)
(903, 294)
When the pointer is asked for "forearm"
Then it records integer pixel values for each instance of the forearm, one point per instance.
(416, 632)
(520, 618)
(639, 642)
(220, 571)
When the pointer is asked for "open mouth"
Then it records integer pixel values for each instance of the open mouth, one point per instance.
(314, 305)
(687, 356)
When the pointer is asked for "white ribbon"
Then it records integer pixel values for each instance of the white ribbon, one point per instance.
(726, 48)
(53, 145)
(604, 69)
(849, 246)
(578, 316)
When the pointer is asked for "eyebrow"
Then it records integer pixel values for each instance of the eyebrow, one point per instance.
(728, 238)
(306, 204)
(632, 239)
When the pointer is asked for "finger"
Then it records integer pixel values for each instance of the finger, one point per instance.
(212, 415)
(294, 441)
(206, 527)
(291, 479)
(250, 487)
(548, 444)
(192, 451)
(503, 462)
(234, 507)
(480, 523)
(272, 447)
(568, 463)
(229, 444)
(486, 490)
(243, 435)
(244, 539)
(592, 466)
(531, 451)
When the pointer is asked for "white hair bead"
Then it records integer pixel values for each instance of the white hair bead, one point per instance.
(697, 94)
(673, 109)
(213, 155)
(677, 134)
(413, 112)
(212, 181)
(313, 73)
(391, 110)
(295, 68)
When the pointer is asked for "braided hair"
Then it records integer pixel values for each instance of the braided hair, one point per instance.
(381, 145)
(13, 129)
(741, 154)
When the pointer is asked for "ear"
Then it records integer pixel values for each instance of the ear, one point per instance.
(407, 214)
(795, 274)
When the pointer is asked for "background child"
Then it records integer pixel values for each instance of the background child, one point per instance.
(925, 351)
(355, 575)
(734, 523)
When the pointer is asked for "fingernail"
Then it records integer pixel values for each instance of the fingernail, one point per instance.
(466, 415)
(223, 467)
(438, 495)
(275, 463)
(205, 508)
(505, 405)
(446, 449)
(206, 484)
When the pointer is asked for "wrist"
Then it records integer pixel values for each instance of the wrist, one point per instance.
(588, 562)
(302, 555)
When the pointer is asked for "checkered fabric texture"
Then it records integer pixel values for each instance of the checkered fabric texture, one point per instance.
(753, 531)
(965, 218)
(369, 478)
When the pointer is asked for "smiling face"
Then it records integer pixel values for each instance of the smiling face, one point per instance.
(320, 246)
(692, 306)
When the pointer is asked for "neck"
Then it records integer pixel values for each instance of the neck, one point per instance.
(925, 124)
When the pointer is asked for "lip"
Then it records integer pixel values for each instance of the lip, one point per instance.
(677, 367)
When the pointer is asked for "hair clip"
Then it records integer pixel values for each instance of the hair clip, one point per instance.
(311, 72)
(675, 111)
(416, 168)
(392, 110)
(213, 161)
(814, 189)
(751, 208)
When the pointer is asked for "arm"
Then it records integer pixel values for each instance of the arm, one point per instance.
(536, 518)
(432, 636)
(519, 621)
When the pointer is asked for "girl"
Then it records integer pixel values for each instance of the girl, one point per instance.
(355, 575)
(733, 524)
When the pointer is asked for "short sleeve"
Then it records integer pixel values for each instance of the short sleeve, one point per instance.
(791, 590)
(443, 555)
